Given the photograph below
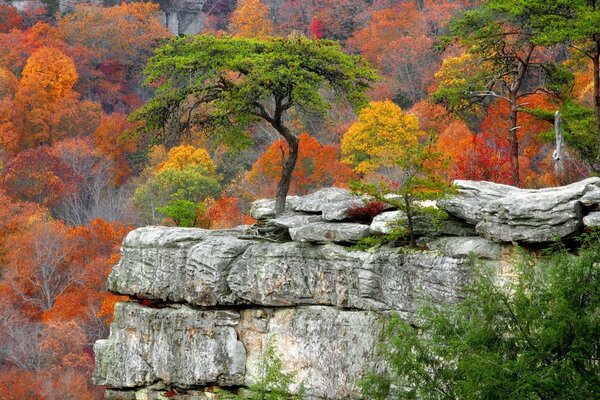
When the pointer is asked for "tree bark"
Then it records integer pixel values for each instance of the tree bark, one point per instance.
(283, 186)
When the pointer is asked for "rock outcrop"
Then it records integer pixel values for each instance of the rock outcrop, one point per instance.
(206, 305)
(508, 214)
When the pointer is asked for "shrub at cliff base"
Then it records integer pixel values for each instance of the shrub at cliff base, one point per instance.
(537, 337)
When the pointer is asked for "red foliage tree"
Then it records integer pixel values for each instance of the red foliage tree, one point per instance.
(9, 18)
(37, 176)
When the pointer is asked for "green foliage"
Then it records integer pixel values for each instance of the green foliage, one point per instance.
(225, 84)
(555, 21)
(172, 186)
(420, 180)
(578, 125)
(183, 212)
(538, 337)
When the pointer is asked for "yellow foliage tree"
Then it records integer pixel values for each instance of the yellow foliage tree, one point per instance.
(382, 134)
(250, 19)
(184, 156)
(52, 70)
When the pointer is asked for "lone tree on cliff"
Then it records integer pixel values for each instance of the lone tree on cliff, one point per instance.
(226, 84)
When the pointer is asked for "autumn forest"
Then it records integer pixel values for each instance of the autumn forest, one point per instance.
(99, 134)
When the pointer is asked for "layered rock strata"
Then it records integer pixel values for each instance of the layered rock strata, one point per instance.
(206, 305)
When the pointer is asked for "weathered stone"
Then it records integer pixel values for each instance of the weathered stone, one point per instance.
(331, 203)
(509, 214)
(178, 270)
(398, 281)
(328, 350)
(384, 223)
(302, 274)
(207, 270)
(265, 208)
(295, 273)
(321, 306)
(591, 199)
(456, 227)
(472, 197)
(322, 199)
(462, 247)
(592, 220)
(222, 270)
(153, 262)
(322, 232)
(294, 219)
(183, 346)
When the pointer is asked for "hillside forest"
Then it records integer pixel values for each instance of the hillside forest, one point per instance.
(479, 81)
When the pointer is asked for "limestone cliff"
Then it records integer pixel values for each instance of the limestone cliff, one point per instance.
(215, 300)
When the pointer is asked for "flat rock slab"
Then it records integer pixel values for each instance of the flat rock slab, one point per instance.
(508, 214)
(223, 270)
(183, 347)
(194, 272)
(323, 232)
(331, 203)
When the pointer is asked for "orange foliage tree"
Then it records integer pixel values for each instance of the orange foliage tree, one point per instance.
(250, 19)
(46, 108)
(109, 139)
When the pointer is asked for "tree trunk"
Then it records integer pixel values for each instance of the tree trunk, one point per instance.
(288, 167)
(514, 143)
(596, 61)
(409, 220)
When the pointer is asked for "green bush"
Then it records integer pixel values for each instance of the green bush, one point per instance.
(537, 337)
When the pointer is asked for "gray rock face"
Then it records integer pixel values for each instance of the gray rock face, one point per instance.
(323, 232)
(153, 262)
(223, 270)
(462, 247)
(508, 214)
(184, 347)
(327, 349)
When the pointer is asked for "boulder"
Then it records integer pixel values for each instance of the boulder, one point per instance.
(508, 214)
(179, 346)
(294, 220)
(383, 224)
(265, 209)
(331, 203)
